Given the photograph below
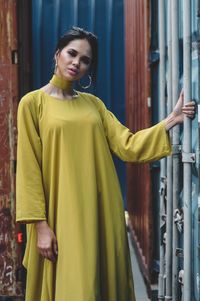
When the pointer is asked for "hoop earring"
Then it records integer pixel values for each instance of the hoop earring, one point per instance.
(87, 86)
(55, 66)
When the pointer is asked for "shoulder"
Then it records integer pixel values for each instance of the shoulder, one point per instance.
(93, 99)
(31, 103)
(30, 98)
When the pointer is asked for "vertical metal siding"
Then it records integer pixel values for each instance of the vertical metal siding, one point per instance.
(195, 79)
(10, 259)
(50, 19)
(136, 93)
(138, 114)
(184, 289)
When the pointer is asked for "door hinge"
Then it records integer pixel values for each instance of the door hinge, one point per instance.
(188, 157)
(181, 277)
(14, 55)
(178, 220)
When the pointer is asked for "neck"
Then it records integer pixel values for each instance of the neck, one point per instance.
(61, 83)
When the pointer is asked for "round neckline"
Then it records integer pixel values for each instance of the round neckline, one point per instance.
(64, 100)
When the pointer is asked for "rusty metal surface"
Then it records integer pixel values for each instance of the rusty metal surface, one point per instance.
(10, 250)
(138, 116)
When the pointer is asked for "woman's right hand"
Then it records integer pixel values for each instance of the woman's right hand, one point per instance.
(46, 241)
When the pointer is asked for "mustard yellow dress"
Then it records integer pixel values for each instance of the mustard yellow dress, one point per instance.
(66, 175)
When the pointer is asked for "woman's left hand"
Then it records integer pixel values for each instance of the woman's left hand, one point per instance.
(180, 109)
(177, 115)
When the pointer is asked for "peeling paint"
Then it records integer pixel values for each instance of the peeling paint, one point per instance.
(10, 251)
(9, 28)
(4, 201)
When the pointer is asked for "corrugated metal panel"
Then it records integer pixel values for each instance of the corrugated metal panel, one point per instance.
(139, 195)
(10, 260)
(195, 224)
(104, 18)
(195, 56)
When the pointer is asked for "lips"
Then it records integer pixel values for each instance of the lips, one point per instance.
(73, 71)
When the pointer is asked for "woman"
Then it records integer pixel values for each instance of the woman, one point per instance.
(67, 188)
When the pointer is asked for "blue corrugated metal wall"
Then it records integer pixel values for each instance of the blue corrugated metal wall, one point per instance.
(195, 144)
(195, 80)
(51, 18)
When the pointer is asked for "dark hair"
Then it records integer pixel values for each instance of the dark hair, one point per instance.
(79, 33)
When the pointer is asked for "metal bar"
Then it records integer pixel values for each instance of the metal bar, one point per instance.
(161, 283)
(187, 185)
(168, 295)
(175, 140)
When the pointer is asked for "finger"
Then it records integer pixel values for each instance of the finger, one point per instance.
(190, 104)
(55, 247)
(190, 115)
(189, 108)
(43, 253)
(188, 111)
(50, 255)
(47, 254)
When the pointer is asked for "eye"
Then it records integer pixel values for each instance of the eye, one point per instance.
(71, 52)
(86, 60)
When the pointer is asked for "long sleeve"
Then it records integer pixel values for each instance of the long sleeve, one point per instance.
(144, 146)
(30, 200)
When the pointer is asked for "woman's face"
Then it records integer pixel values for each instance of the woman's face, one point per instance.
(74, 60)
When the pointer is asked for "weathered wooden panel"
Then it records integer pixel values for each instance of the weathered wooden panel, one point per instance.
(138, 114)
(10, 249)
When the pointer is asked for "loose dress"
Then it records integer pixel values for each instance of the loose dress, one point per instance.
(66, 175)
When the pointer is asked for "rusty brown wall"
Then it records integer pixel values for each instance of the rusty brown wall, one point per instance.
(138, 116)
(10, 250)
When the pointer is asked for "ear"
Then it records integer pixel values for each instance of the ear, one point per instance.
(56, 56)
(56, 60)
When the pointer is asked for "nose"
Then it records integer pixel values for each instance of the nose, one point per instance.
(76, 62)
